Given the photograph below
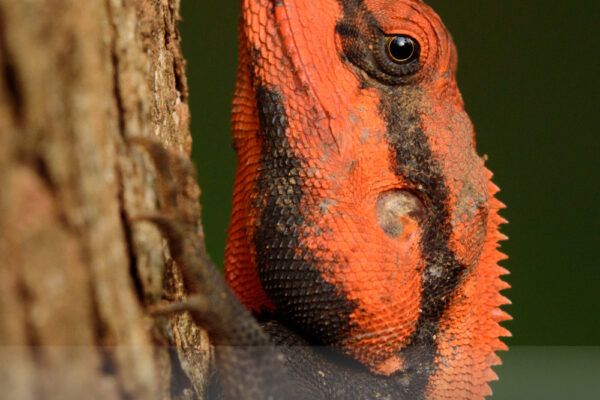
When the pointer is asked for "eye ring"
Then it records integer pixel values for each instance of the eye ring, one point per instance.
(399, 59)
(401, 49)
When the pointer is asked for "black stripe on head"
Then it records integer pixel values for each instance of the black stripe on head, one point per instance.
(289, 272)
(413, 160)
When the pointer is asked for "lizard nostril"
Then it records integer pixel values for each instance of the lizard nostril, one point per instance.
(399, 212)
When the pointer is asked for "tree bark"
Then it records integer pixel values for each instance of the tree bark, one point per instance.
(77, 79)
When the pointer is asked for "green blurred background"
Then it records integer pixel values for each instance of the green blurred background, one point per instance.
(529, 72)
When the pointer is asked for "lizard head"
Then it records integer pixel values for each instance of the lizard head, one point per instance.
(363, 216)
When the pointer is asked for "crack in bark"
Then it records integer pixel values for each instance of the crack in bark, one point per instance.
(9, 74)
(115, 65)
(32, 337)
(128, 234)
(171, 43)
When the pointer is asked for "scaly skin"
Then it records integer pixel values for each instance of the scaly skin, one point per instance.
(363, 218)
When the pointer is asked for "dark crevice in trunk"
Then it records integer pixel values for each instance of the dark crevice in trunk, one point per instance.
(8, 74)
(115, 66)
(31, 333)
(128, 235)
(172, 43)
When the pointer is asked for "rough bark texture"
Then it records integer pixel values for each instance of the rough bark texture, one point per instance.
(77, 79)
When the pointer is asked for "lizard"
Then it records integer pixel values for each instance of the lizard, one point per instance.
(362, 253)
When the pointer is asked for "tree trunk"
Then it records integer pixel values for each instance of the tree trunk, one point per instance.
(77, 79)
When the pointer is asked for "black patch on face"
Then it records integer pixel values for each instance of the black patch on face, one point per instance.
(347, 31)
(413, 160)
(288, 270)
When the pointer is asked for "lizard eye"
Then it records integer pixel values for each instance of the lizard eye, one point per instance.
(401, 49)
(391, 58)
(397, 55)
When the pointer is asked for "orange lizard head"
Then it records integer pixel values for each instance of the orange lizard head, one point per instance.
(363, 216)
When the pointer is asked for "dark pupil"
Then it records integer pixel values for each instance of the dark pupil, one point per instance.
(401, 48)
